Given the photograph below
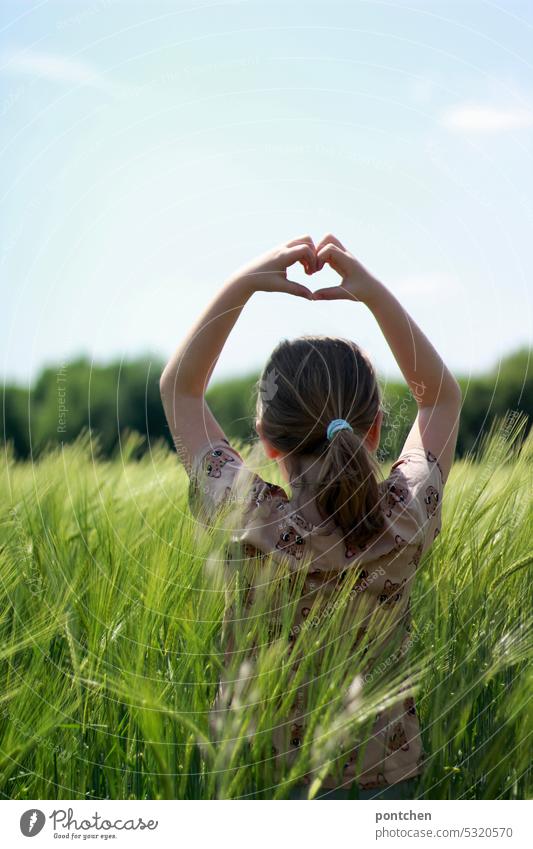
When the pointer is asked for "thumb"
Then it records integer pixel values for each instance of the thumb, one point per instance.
(297, 289)
(333, 293)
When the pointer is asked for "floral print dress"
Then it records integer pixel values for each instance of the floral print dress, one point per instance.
(271, 523)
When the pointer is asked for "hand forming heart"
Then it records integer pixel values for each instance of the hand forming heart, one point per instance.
(269, 272)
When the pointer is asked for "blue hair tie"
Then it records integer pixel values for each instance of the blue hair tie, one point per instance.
(335, 425)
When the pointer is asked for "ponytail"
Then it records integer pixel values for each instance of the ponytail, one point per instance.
(348, 487)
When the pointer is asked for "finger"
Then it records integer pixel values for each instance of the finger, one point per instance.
(331, 254)
(301, 253)
(301, 240)
(329, 239)
(304, 240)
(297, 289)
(333, 293)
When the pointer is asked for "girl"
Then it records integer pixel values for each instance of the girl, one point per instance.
(319, 417)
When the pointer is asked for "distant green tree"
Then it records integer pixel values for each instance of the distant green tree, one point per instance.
(80, 395)
(233, 404)
(16, 420)
(124, 396)
(509, 386)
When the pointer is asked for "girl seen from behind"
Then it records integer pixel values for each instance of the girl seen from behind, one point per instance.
(319, 417)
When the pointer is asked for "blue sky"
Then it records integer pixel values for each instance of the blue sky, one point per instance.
(150, 148)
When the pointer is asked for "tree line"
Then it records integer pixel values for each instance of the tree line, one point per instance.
(123, 397)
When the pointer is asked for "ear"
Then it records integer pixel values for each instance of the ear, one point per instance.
(271, 452)
(374, 433)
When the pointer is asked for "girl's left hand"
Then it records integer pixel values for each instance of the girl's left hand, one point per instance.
(268, 273)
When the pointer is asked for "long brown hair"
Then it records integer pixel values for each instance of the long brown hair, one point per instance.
(306, 383)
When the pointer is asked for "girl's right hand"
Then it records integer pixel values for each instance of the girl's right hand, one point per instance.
(268, 273)
(357, 283)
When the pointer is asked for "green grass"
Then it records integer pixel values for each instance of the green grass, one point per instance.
(110, 622)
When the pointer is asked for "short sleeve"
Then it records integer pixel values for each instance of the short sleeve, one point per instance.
(220, 478)
(413, 496)
(214, 472)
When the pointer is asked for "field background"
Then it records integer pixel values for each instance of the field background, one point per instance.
(112, 601)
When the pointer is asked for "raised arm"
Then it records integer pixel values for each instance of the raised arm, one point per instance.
(186, 376)
(434, 388)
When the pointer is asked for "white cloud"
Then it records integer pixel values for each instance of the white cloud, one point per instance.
(58, 69)
(475, 118)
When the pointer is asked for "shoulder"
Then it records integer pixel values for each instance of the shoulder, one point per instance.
(412, 493)
(211, 459)
(410, 473)
(219, 476)
(214, 470)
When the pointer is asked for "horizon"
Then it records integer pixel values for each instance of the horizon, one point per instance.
(150, 357)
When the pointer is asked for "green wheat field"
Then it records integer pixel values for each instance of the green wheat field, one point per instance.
(112, 604)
